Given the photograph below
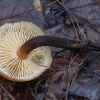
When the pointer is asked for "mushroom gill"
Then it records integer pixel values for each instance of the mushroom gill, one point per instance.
(12, 36)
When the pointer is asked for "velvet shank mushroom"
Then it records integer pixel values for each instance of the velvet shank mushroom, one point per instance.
(25, 53)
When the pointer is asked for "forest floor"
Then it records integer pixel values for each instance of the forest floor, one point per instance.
(73, 75)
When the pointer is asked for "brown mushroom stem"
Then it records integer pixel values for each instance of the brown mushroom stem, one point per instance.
(38, 41)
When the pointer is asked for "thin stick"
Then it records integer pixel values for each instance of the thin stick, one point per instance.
(71, 16)
(52, 3)
(69, 76)
(20, 13)
(10, 96)
(32, 93)
(90, 70)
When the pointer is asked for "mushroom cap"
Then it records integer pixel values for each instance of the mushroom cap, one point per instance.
(12, 36)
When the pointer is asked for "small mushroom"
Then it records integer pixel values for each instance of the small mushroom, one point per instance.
(25, 53)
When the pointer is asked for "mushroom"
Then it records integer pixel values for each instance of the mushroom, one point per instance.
(25, 51)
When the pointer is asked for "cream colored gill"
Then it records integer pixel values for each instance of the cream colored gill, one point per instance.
(11, 38)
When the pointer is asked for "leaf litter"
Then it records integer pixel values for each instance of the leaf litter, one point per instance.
(52, 16)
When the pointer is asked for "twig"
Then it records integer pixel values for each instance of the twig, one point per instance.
(74, 78)
(19, 14)
(90, 70)
(32, 93)
(77, 71)
(11, 97)
(52, 2)
(86, 68)
(69, 76)
(61, 12)
(71, 17)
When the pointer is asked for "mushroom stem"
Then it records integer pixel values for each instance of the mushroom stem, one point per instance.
(38, 41)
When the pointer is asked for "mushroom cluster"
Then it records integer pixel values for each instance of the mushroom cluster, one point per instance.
(14, 67)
